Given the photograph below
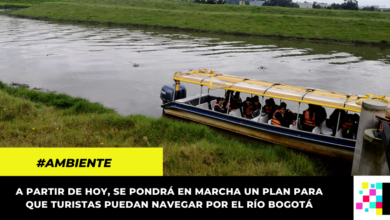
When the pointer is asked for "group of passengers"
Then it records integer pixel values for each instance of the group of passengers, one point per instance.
(348, 123)
(222, 105)
(316, 115)
(281, 116)
(248, 109)
(251, 107)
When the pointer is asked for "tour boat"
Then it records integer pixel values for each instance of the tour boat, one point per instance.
(200, 108)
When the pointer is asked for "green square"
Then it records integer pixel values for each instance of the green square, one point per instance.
(360, 192)
(378, 185)
(372, 205)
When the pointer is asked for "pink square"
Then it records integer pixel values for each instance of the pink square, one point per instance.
(366, 198)
(372, 192)
(378, 205)
(359, 205)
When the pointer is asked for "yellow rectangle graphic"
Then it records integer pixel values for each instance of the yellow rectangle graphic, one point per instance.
(81, 161)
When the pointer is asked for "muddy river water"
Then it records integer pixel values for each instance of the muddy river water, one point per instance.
(125, 68)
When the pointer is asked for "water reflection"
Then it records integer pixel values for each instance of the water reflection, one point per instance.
(97, 62)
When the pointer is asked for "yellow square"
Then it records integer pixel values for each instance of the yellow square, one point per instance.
(378, 211)
(365, 185)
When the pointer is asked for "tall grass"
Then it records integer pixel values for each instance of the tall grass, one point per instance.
(69, 104)
(189, 149)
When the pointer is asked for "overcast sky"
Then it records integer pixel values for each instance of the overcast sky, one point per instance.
(381, 3)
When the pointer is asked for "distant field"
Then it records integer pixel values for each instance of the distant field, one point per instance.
(14, 5)
(323, 25)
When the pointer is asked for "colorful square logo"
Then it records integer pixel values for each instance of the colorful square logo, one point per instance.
(370, 197)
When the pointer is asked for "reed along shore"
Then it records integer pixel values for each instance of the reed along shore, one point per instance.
(321, 25)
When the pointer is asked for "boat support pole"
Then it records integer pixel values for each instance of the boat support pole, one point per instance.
(369, 157)
(208, 98)
(299, 106)
(338, 122)
(200, 96)
(262, 106)
(230, 96)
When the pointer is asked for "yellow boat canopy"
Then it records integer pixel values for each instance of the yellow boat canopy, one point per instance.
(276, 90)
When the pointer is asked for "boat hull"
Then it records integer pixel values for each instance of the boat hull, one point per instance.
(305, 141)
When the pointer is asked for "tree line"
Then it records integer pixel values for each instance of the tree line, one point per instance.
(210, 1)
(347, 5)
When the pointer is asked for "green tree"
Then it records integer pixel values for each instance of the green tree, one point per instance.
(336, 6)
(316, 5)
(369, 8)
(295, 5)
(350, 5)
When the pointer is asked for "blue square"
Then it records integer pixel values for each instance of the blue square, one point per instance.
(378, 198)
(361, 192)
(372, 186)
(366, 209)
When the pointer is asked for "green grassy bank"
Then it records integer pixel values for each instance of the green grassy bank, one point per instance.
(355, 27)
(30, 118)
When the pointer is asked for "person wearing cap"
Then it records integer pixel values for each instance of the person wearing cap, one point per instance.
(218, 106)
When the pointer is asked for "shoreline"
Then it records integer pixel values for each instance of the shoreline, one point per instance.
(279, 37)
(318, 26)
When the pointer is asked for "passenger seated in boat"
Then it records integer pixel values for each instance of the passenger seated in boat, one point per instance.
(279, 117)
(349, 126)
(269, 108)
(308, 119)
(256, 106)
(236, 102)
(218, 105)
(248, 108)
(289, 115)
(320, 114)
(334, 118)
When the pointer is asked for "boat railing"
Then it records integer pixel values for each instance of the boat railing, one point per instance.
(204, 104)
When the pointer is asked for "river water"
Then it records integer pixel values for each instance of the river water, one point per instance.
(125, 68)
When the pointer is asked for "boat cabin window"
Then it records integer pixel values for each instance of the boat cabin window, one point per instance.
(278, 112)
(326, 121)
